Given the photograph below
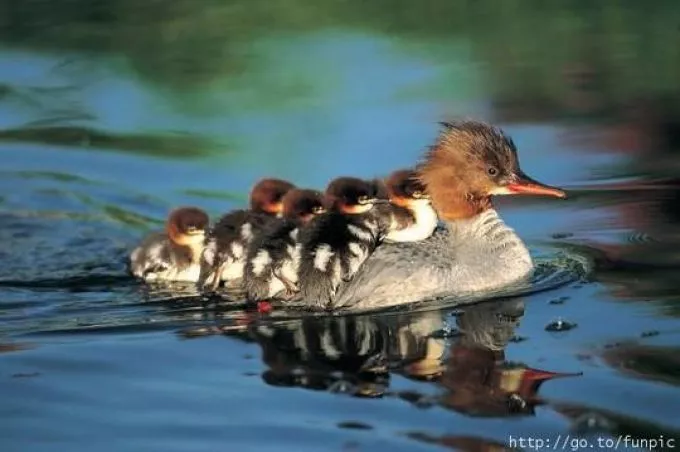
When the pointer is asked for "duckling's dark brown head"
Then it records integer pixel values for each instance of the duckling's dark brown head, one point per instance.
(187, 225)
(266, 195)
(470, 162)
(354, 196)
(406, 189)
(303, 205)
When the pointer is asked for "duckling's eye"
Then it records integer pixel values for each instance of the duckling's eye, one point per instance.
(191, 230)
(363, 199)
(318, 209)
(417, 194)
(492, 171)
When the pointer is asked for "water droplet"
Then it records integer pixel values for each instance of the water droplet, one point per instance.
(559, 300)
(562, 235)
(592, 423)
(518, 339)
(560, 325)
(425, 402)
(342, 387)
(650, 333)
(354, 425)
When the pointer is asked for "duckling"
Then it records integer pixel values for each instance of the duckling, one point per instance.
(335, 244)
(412, 217)
(225, 249)
(274, 255)
(173, 254)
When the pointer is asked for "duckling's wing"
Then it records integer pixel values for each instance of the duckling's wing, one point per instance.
(150, 255)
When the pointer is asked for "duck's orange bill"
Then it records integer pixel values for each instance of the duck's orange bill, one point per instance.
(524, 185)
(541, 375)
(534, 377)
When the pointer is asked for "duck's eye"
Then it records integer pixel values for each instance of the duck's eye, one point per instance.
(492, 171)
(363, 199)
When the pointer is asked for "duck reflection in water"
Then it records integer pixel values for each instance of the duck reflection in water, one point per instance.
(358, 354)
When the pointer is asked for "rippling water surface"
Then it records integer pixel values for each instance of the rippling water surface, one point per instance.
(113, 112)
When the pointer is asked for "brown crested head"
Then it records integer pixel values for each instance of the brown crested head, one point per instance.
(470, 162)
(303, 205)
(354, 196)
(187, 225)
(405, 188)
(266, 195)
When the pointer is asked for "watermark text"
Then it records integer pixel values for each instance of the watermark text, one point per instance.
(574, 443)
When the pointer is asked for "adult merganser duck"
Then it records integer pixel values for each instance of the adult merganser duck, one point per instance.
(173, 254)
(412, 217)
(228, 240)
(274, 255)
(475, 252)
(335, 244)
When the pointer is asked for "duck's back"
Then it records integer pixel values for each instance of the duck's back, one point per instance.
(470, 256)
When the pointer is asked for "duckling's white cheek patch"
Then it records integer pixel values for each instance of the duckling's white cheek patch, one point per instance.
(262, 259)
(359, 233)
(422, 202)
(322, 256)
(247, 231)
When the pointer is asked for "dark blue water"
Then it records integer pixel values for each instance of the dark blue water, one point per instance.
(112, 113)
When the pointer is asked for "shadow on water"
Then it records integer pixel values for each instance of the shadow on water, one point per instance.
(461, 357)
